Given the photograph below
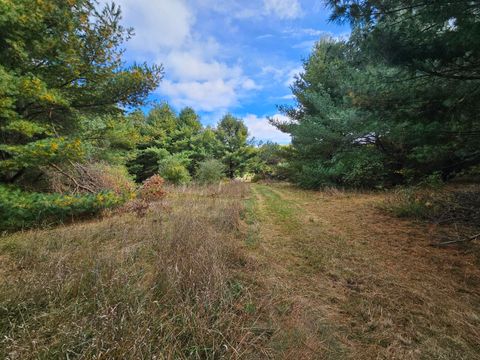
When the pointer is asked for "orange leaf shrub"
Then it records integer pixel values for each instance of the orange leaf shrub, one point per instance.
(152, 189)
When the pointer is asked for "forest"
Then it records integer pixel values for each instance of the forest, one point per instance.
(131, 229)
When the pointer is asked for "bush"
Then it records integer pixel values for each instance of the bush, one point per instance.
(114, 178)
(412, 203)
(439, 205)
(152, 189)
(21, 210)
(174, 170)
(210, 171)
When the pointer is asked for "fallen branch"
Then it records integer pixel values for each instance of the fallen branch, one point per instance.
(471, 238)
(79, 186)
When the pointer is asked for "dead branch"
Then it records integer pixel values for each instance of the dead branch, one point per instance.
(471, 238)
(79, 186)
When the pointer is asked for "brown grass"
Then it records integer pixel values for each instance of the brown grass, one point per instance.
(346, 281)
(239, 271)
(164, 286)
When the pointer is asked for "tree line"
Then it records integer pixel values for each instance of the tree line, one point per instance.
(396, 103)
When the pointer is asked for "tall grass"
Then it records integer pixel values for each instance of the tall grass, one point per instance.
(163, 286)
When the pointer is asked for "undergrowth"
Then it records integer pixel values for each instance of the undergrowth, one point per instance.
(439, 205)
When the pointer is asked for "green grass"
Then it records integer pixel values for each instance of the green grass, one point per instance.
(283, 212)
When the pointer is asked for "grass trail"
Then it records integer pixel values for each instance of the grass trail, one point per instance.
(342, 280)
(240, 272)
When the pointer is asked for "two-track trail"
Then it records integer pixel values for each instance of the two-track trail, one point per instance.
(339, 279)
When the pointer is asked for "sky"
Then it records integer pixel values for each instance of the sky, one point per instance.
(227, 56)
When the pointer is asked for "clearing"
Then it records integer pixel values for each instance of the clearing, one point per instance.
(241, 271)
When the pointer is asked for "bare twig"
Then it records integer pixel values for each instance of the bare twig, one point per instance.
(79, 186)
(471, 238)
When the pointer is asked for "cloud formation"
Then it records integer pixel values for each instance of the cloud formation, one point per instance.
(164, 30)
(284, 9)
(157, 24)
(260, 128)
(224, 56)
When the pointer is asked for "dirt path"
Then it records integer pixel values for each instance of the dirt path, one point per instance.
(338, 279)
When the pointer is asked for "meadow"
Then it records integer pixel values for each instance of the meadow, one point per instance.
(246, 271)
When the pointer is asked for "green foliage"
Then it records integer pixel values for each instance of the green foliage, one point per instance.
(437, 38)
(267, 162)
(21, 210)
(41, 152)
(366, 122)
(145, 164)
(60, 63)
(109, 138)
(235, 152)
(413, 203)
(174, 170)
(165, 133)
(210, 171)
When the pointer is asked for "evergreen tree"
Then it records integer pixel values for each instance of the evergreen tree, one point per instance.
(232, 134)
(60, 61)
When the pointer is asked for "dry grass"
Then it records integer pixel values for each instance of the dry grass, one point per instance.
(163, 286)
(345, 281)
(225, 271)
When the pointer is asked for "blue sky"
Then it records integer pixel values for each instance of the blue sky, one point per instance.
(224, 56)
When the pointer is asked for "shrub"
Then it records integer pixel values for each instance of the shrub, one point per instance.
(210, 171)
(173, 170)
(412, 203)
(439, 205)
(21, 210)
(113, 178)
(152, 189)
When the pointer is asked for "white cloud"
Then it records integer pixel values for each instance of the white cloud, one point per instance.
(196, 73)
(213, 95)
(186, 65)
(307, 45)
(284, 75)
(302, 32)
(266, 36)
(306, 34)
(261, 129)
(249, 84)
(292, 74)
(277, 74)
(284, 9)
(200, 72)
(157, 24)
(210, 95)
(202, 82)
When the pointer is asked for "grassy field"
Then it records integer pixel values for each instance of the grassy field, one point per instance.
(241, 271)
(162, 286)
